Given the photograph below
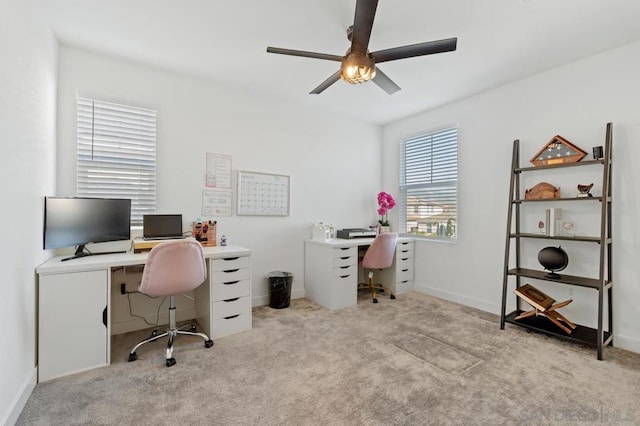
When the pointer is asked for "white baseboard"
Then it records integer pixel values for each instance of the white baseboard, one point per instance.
(627, 343)
(11, 417)
(484, 305)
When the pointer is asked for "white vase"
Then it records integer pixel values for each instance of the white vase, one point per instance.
(384, 229)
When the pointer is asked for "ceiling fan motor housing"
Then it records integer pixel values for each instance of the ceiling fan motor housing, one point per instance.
(357, 68)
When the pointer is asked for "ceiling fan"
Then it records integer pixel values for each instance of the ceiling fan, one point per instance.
(358, 64)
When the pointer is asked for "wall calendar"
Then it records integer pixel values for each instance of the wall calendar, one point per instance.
(263, 194)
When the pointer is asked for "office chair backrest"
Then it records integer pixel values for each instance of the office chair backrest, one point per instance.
(380, 254)
(173, 267)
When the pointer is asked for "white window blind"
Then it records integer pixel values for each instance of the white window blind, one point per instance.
(116, 154)
(429, 184)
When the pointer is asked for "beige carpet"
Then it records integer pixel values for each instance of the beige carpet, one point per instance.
(411, 361)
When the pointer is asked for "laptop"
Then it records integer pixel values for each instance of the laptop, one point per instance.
(162, 226)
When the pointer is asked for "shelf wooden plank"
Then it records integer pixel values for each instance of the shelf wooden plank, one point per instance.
(583, 335)
(564, 278)
(559, 166)
(554, 200)
(557, 237)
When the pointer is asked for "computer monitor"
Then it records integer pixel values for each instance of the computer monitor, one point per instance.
(161, 226)
(76, 221)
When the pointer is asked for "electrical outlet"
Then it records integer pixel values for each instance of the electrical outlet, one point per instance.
(123, 288)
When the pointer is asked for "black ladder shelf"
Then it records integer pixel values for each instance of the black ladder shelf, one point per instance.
(598, 337)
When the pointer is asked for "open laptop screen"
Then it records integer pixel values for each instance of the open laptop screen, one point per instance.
(162, 226)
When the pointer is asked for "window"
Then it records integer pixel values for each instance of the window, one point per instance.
(116, 154)
(429, 184)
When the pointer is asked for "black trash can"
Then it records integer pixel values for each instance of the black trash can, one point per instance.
(280, 289)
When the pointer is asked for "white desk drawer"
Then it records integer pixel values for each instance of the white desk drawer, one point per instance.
(230, 263)
(404, 263)
(229, 275)
(339, 262)
(404, 274)
(231, 325)
(231, 290)
(231, 307)
(345, 251)
(345, 270)
(404, 286)
(404, 252)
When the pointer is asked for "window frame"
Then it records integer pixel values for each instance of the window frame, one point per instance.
(444, 182)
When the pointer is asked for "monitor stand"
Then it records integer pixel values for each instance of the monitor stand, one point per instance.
(80, 252)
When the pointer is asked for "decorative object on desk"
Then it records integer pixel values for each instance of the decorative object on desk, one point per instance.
(543, 190)
(558, 151)
(385, 203)
(553, 259)
(584, 191)
(322, 232)
(554, 222)
(544, 306)
(598, 153)
(205, 232)
(223, 241)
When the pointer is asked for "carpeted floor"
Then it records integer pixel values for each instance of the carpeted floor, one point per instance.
(411, 361)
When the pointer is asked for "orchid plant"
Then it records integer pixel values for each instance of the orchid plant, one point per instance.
(385, 203)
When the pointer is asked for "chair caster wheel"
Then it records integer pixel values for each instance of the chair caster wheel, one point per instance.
(381, 290)
(132, 357)
(208, 343)
(375, 300)
(171, 361)
(193, 328)
(393, 297)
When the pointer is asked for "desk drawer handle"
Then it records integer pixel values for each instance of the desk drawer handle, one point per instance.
(345, 267)
(231, 300)
(404, 258)
(232, 316)
(404, 282)
(345, 276)
(404, 270)
(104, 316)
(345, 258)
(231, 283)
(345, 248)
(231, 258)
(229, 271)
(404, 244)
(405, 251)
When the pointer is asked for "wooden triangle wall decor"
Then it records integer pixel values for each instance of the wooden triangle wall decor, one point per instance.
(558, 151)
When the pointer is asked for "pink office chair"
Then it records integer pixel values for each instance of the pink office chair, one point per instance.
(173, 267)
(379, 256)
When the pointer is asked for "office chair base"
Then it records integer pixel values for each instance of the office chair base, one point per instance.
(170, 361)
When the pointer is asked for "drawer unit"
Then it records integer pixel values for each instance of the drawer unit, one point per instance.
(230, 295)
(399, 277)
(231, 290)
(345, 251)
(231, 325)
(231, 307)
(345, 270)
(339, 262)
(230, 263)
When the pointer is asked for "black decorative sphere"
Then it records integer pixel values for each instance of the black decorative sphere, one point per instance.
(553, 259)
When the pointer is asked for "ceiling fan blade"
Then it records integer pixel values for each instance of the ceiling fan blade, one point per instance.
(419, 49)
(328, 82)
(385, 83)
(304, 54)
(362, 24)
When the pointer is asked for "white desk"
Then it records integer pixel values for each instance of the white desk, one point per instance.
(74, 305)
(331, 270)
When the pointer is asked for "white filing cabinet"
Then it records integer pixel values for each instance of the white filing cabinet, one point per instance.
(231, 295)
(331, 275)
(399, 277)
(73, 332)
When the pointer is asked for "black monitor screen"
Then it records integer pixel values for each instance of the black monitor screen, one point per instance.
(79, 221)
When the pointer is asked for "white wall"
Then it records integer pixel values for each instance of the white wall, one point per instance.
(334, 163)
(27, 148)
(575, 101)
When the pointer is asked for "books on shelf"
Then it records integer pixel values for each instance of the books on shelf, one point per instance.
(534, 297)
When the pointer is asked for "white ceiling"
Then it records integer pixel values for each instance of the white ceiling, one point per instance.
(499, 41)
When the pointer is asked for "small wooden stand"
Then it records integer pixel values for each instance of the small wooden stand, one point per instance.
(544, 306)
